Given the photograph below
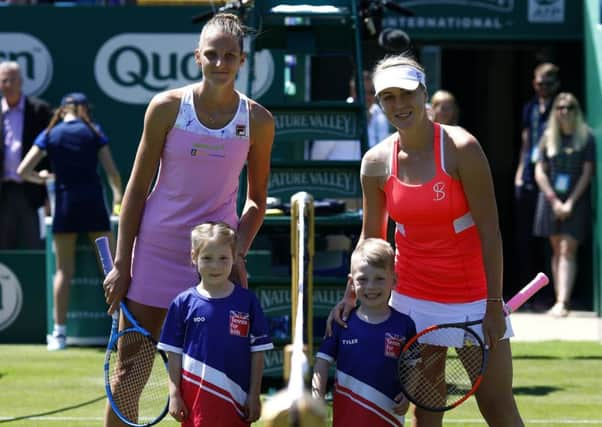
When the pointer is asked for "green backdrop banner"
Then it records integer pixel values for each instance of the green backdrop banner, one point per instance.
(122, 56)
(22, 296)
(489, 19)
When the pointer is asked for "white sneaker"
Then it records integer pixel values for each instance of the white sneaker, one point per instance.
(559, 310)
(56, 342)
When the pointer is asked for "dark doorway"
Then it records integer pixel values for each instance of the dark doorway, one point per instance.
(491, 83)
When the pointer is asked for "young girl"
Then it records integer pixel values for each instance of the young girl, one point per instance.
(215, 334)
(74, 145)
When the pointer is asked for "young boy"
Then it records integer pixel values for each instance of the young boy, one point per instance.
(215, 334)
(367, 390)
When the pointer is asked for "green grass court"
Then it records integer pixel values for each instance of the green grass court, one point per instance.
(556, 384)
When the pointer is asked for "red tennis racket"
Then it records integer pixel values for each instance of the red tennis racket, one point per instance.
(443, 365)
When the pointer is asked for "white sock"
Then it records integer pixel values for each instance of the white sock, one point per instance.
(59, 330)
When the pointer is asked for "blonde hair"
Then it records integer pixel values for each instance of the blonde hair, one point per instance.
(211, 231)
(552, 137)
(227, 23)
(375, 252)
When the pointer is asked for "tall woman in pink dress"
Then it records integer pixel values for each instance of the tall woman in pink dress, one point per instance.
(434, 182)
(196, 139)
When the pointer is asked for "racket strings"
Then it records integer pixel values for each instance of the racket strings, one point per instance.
(442, 368)
(137, 377)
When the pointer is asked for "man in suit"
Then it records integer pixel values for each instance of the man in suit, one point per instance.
(22, 118)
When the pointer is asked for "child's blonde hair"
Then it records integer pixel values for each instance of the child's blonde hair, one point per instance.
(208, 231)
(375, 252)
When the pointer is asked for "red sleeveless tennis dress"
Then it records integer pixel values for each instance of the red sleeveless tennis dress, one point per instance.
(438, 253)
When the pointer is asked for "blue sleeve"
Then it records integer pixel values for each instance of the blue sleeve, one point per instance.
(103, 139)
(329, 349)
(41, 140)
(174, 327)
(260, 333)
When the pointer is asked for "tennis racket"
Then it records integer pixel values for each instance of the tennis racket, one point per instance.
(443, 365)
(136, 379)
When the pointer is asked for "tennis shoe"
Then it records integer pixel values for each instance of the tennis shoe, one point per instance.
(56, 342)
(558, 310)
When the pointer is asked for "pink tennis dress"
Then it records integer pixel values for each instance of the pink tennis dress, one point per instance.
(197, 182)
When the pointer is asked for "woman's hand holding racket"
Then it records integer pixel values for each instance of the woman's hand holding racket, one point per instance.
(443, 365)
(115, 285)
(494, 324)
(136, 379)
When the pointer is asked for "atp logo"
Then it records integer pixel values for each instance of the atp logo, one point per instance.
(11, 297)
(439, 191)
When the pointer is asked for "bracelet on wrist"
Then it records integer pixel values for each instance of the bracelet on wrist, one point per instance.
(494, 299)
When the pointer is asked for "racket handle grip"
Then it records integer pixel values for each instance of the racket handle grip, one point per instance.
(527, 292)
(102, 243)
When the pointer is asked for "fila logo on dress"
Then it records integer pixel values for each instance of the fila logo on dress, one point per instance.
(438, 191)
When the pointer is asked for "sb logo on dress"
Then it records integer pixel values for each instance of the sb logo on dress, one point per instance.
(438, 191)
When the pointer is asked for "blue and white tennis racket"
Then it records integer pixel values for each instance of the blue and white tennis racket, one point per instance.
(136, 379)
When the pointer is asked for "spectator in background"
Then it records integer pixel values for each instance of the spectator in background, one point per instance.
(563, 172)
(216, 354)
(445, 108)
(74, 145)
(529, 249)
(22, 118)
(378, 128)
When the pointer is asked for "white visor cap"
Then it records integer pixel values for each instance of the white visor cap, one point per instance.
(401, 76)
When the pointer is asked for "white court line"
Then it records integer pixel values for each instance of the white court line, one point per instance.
(22, 420)
(533, 421)
(447, 421)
